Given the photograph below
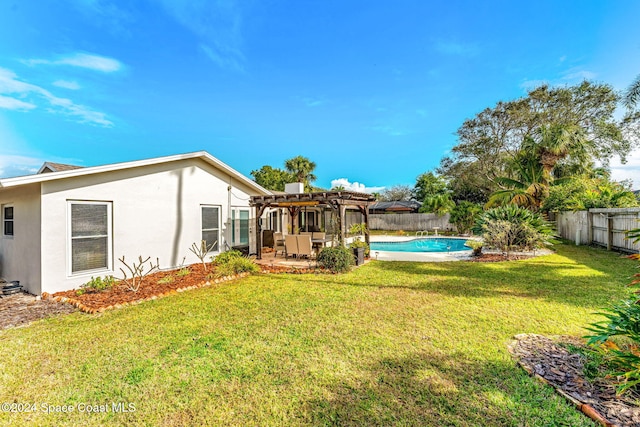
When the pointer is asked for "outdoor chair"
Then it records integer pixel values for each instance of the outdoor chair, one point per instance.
(291, 245)
(278, 243)
(304, 246)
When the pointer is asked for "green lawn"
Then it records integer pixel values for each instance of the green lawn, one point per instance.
(391, 343)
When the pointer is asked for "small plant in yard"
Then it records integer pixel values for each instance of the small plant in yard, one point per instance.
(619, 335)
(361, 244)
(97, 284)
(137, 272)
(167, 279)
(201, 250)
(184, 271)
(464, 215)
(476, 245)
(233, 262)
(358, 229)
(337, 259)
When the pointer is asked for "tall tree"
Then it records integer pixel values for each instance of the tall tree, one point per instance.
(429, 184)
(272, 178)
(632, 94)
(567, 124)
(396, 193)
(302, 169)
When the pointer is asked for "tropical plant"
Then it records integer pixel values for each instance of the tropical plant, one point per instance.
(358, 229)
(632, 94)
(336, 259)
(301, 168)
(512, 227)
(581, 194)
(439, 204)
(464, 215)
(429, 184)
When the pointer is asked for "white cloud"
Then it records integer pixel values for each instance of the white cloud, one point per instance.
(627, 171)
(577, 74)
(82, 60)
(12, 165)
(65, 84)
(354, 186)
(10, 84)
(9, 103)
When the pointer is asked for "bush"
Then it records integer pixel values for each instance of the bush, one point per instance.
(96, 284)
(623, 320)
(360, 244)
(464, 215)
(336, 259)
(233, 262)
(475, 245)
(512, 227)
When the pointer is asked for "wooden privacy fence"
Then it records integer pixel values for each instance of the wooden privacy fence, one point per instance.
(409, 222)
(604, 227)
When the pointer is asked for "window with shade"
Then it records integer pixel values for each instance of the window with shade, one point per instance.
(7, 220)
(211, 227)
(90, 228)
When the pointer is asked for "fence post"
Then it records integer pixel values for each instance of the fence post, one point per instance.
(609, 233)
(589, 227)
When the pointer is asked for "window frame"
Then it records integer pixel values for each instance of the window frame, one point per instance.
(109, 236)
(5, 220)
(218, 229)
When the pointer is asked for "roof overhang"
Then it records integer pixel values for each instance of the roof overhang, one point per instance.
(203, 155)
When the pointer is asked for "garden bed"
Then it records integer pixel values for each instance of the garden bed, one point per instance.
(155, 286)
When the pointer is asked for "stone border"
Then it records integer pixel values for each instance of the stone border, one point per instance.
(84, 308)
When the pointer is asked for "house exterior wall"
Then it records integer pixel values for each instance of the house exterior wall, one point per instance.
(156, 212)
(20, 254)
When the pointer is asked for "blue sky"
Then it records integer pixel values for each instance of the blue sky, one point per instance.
(372, 91)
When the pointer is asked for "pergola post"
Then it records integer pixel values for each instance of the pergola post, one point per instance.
(259, 212)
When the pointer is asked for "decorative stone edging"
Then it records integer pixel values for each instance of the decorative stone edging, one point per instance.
(77, 303)
(585, 408)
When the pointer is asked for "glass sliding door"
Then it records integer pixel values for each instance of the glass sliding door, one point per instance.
(239, 226)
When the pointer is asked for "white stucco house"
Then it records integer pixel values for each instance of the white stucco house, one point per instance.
(64, 225)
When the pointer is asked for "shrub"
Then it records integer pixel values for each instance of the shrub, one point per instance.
(360, 244)
(464, 215)
(623, 320)
(337, 259)
(226, 257)
(233, 262)
(476, 246)
(512, 227)
(96, 284)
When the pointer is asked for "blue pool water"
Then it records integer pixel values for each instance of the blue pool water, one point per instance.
(422, 245)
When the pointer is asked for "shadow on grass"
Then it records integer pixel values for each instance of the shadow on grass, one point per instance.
(579, 276)
(436, 390)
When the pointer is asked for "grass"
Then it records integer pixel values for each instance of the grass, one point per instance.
(391, 343)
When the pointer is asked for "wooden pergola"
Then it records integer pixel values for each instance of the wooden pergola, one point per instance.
(337, 201)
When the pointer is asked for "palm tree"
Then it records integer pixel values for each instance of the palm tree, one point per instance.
(302, 169)
(529, 187)
(553, 143)
(632, 94)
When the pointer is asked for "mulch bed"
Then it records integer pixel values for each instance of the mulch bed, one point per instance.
(21, 309)
(552, 364)
(497, 258)
(156, 286)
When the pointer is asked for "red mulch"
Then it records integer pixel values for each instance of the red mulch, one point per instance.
(120, 295)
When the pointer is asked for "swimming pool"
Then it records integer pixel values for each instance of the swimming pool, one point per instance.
(427, 244)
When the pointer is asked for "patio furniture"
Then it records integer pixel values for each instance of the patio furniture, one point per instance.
(304, 246)
(291, 245)
(278, 243)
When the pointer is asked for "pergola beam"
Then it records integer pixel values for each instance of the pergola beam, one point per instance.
(338, 201)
